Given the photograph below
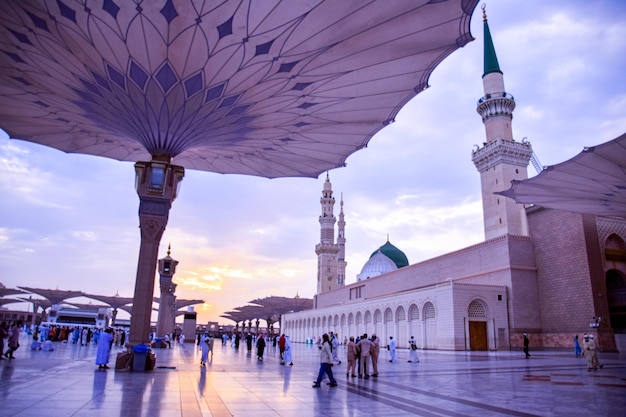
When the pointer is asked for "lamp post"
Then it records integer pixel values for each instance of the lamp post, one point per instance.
(157, 184)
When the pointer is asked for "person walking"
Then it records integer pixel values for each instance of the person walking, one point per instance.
(104, 349)
(281, 346)
(351, 357)
(392, 349)
(365, 347)
(413, 350)
(260, 347)
(334, 341)
(4, 333)
(204, 348)
(249, 342)
(287, 354)
(14, 340)
(591, 354)
(374, 353)
(526, 343)
(326, 362)
(578, 351)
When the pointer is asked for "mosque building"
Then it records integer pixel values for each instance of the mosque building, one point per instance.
(548, 273)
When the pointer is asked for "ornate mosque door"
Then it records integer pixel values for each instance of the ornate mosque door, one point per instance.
(478, 335)
(477, 324)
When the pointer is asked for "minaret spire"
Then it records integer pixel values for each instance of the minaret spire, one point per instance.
(501, 159)
(490, 57)
(341, 243)
(327, 250)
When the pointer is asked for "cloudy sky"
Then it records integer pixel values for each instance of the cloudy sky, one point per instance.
(70, 221)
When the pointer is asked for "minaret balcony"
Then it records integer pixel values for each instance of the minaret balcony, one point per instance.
(501, 151)
(497, 104)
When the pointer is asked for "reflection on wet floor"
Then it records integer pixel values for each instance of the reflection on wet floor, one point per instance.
(66, 382)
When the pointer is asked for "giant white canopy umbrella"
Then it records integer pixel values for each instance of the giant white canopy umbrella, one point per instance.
(592, 182)
(271, 88)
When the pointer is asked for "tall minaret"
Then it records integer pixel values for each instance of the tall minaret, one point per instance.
(327, 250)
(501, 159)
(341, 242)
(167, 301)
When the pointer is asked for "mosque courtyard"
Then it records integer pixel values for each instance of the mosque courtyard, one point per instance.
(66, 382)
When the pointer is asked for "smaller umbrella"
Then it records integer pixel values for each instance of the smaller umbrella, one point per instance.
(592, 182)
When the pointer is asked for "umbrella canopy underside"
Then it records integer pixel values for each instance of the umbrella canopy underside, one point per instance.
(592, 182)
(266, 88)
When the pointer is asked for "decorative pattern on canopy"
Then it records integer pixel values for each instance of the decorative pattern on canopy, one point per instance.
(592, 182)
(271, 88)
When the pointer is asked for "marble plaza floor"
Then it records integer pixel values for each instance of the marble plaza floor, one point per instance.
(67, 383)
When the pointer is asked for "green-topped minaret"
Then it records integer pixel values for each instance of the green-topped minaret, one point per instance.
(501, 159)
(490, 59)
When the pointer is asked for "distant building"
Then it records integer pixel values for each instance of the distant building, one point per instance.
(15, 315)
(548, 273)
(98, 317)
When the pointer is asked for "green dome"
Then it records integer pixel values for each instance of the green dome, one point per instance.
(393, 253)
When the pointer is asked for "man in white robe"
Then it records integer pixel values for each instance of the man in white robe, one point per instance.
(204, 347)
(287, 356)
(413, 350)
(334, 341)
(392, 349)
(104, 349)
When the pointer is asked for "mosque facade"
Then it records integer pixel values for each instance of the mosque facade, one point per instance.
(548, 273)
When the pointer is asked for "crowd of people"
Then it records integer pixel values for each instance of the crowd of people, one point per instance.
(43, 336)
(360, 352)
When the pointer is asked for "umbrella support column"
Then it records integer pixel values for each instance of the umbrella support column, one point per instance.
(157, 183)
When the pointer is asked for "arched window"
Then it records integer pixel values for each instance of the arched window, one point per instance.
(476, 309)
(388, 315)
(429, 311)
(359, 318)
(400, 314)
(368, 317)
(378, 316)
(350, 319)
(615, 250)
(414, 312)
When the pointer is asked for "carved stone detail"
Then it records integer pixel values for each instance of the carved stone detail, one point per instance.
(492, 105)
(608, 226)
(502, 151)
